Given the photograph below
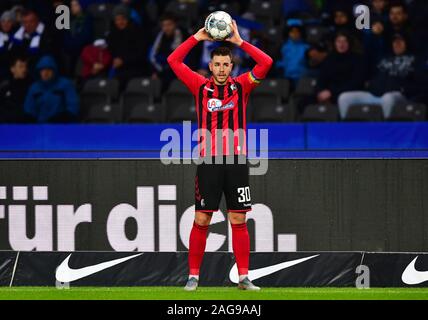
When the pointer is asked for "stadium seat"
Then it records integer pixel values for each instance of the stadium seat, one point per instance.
(140, 94)
(184, 112)
(186, 12)
(269, 95)
(98, 92)
(230, 7)
(408, 112)
(315, 33)
(265, 12)
(100, 113)
(103, 86)
(364, 112)
(144, 86)
(306, 86)
(268, 113)
(179, 103)
(320, 113)
(277, 87)
(145, 113)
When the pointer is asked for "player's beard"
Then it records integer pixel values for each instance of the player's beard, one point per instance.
(221, 80)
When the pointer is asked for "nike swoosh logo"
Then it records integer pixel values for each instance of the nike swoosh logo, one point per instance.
(66, 274)
(412, 276)
(263, 272)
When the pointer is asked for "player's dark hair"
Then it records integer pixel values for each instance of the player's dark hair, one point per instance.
(222, 51)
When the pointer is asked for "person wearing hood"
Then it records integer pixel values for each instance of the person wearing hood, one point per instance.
(342, 70)
(293, 52)
(52, 98)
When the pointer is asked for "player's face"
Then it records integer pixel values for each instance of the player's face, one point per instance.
(220, 67)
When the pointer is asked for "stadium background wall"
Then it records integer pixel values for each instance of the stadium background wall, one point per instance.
(324, 205)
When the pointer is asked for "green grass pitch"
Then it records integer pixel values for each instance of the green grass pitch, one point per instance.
(210, 293)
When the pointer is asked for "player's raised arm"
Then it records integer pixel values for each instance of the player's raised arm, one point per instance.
(176, 60)
(264, 61)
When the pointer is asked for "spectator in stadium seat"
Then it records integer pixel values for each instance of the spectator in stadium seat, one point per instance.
(398, 22)
(7, 24)
(96, 60)
(167, 40)
(315, 57)
(127, 46)
(343, 22)
(52, 98)
(77, 37)
(395, 75)
(293, 52)
(33, 39)
(343, 70)
(378, 10)
(13, 92)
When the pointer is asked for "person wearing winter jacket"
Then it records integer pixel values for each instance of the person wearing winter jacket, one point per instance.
(293, 52)
(342, 70)
(52, 98)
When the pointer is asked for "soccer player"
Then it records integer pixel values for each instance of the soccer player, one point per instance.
(221, 103)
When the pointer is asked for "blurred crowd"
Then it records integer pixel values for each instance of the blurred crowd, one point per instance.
(43, 69)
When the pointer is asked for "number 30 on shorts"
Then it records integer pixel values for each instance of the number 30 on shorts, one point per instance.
(244, 194)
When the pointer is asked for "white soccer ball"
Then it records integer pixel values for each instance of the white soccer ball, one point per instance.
(218, 25)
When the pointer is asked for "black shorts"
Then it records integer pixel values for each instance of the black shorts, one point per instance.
(212, 180)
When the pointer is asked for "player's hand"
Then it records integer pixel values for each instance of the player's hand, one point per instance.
(202, 35)
(235, 38)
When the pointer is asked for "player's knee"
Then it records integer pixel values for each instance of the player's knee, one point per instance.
(202, 219)
(237, 218)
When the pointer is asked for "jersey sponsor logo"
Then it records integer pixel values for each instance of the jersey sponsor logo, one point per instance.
(216, 105)
(209, 89)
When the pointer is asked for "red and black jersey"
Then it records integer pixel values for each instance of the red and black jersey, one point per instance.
(221, 109)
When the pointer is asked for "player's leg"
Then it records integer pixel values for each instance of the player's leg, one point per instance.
(238, 199)
(197, 243)
(208, 189)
